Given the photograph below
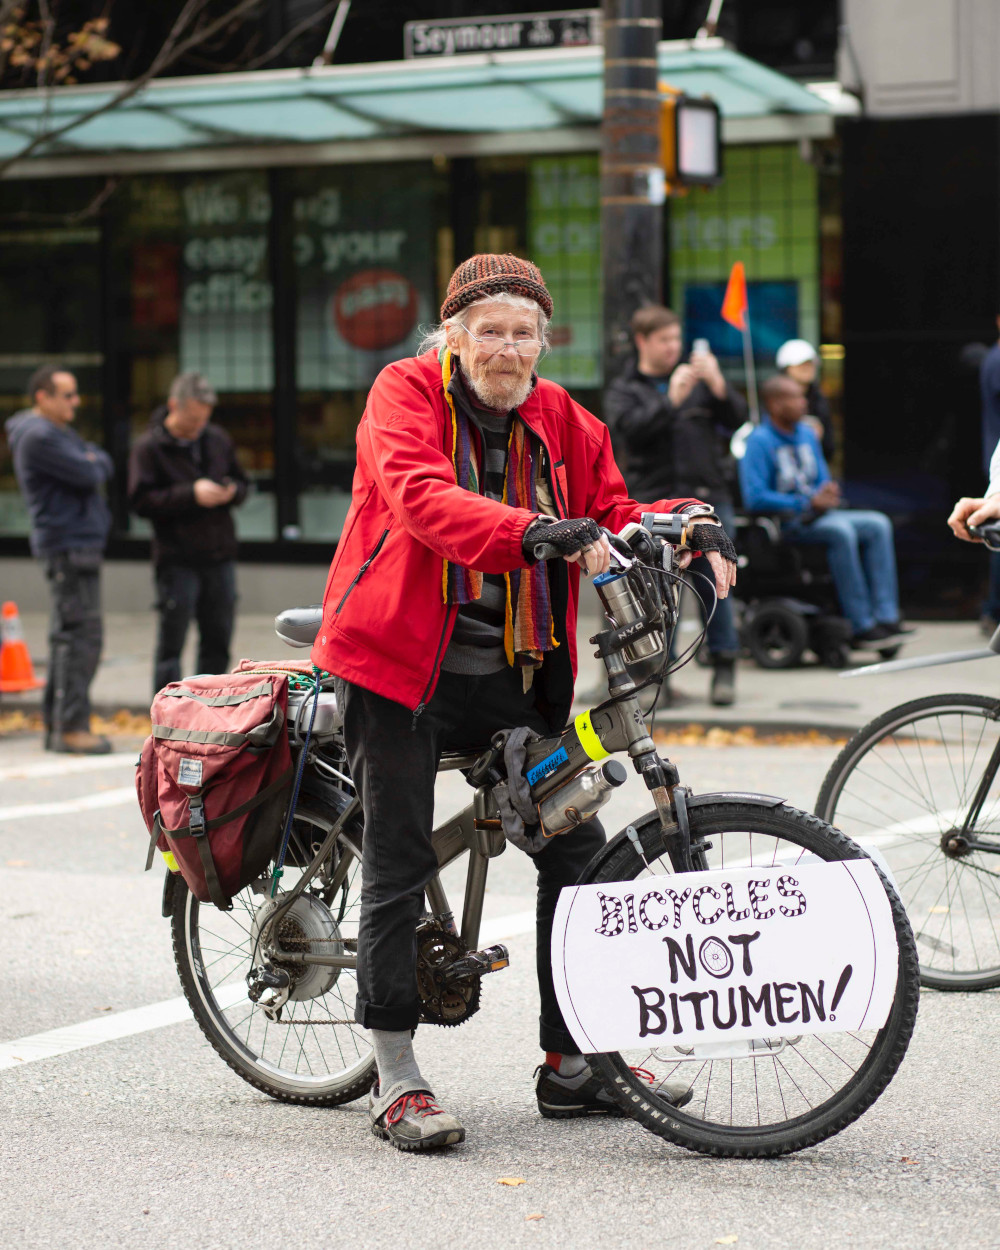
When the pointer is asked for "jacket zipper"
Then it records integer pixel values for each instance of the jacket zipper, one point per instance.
(547, 468)
(361, 571)
(418, 711)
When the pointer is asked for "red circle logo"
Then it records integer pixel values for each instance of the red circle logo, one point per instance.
(375, 308)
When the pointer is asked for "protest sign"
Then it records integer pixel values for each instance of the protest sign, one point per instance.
(712, 958)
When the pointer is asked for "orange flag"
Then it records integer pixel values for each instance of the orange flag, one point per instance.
(734, 303)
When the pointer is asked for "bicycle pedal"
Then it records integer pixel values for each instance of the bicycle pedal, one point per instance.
(479, 963)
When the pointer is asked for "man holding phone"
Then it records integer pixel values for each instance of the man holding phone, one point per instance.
(185, 477)
(671, 423)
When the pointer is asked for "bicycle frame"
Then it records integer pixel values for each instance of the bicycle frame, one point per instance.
(616, 725)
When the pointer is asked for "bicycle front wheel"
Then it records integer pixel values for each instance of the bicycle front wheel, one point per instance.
(786, 1093)
(311, 1050)
(904, 786)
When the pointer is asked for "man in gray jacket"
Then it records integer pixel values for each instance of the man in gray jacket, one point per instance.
(61, 476)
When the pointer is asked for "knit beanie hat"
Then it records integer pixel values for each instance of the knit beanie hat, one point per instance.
(486, 274)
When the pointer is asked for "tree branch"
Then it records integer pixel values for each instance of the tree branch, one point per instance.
(174, 47)
(292, 35)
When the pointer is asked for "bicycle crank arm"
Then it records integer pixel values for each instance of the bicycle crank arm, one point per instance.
(478, 964)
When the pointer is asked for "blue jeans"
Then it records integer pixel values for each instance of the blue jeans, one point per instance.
(862, 558)
(721, 637)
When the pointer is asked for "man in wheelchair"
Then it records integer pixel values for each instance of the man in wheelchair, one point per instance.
(783, 471)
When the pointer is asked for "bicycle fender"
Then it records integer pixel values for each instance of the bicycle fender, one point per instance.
(737, 796)
(167, 903)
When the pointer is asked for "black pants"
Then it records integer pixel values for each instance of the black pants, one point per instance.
(394, 768)
(76, 634)
(209, 595)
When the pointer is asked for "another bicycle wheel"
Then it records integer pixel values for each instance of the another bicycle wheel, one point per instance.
(785, 1093)
(904, 786)
(311, 1050)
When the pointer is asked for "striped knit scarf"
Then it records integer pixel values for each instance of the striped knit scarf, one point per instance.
(529, 629)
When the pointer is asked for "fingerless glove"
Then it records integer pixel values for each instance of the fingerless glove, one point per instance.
(568, 537)
(712, 538)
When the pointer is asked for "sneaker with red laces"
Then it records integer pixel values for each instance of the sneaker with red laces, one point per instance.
(567, 1097)
(413, 1120)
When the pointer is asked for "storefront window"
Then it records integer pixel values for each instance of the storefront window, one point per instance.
(190, 263)
(364, 264)
(564, 240)
(765, 214)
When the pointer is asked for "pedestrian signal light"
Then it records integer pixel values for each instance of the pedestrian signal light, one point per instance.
(690, 139)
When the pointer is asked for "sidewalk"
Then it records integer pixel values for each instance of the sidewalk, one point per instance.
(802, 698)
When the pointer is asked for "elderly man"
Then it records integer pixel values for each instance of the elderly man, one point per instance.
(184, 476)
(62, 478)
(443, 629)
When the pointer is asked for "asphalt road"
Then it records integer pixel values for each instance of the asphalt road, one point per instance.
(149, 1140)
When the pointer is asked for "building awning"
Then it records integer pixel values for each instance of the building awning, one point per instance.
(358, 112)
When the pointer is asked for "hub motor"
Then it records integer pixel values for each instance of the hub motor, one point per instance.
(307, 928)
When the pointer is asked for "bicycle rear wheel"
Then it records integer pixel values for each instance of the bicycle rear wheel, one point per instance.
(903, 786)
(785, 1094)
(313, 1052)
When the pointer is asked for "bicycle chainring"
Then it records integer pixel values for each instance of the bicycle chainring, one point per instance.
(443, 1002)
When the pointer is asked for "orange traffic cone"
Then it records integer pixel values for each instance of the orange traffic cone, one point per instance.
(16, 671)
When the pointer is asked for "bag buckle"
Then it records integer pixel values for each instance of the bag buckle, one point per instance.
(196, 822)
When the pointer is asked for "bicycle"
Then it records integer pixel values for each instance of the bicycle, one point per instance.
(272, 982)
(919, 785)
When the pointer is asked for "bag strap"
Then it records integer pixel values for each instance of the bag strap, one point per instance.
(221, 700)
(265, 735)
(197, 829)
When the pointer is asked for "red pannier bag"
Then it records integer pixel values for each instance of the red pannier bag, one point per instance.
(212, 779)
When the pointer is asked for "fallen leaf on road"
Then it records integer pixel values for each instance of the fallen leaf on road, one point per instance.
(730, 1239)
(535, 1215)
(511, 1180)
(907, 1159)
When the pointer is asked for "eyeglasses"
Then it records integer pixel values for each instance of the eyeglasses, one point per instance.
(493, 343)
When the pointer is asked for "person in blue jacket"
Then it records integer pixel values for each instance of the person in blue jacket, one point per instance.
(783, 471)
(62, 478)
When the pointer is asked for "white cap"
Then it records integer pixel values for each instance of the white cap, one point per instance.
(794, 352)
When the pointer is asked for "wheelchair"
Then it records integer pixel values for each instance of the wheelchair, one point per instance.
(789, 600)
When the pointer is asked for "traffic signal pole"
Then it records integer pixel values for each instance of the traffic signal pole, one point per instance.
(632, 185)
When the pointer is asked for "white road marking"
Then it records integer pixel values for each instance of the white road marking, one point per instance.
(66, 807)
(109, 1028)
(66, 766)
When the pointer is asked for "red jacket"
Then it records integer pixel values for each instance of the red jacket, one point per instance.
(386, 625)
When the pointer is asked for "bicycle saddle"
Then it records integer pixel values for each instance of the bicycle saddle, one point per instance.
(299, 626)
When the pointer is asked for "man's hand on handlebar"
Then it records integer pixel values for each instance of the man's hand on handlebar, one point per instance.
(578, 540)
(719, 551)
(973, 512)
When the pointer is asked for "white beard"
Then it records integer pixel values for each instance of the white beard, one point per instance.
(500, 391)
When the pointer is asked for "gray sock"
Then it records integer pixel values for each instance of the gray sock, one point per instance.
(398, 1073)
(572, 1065)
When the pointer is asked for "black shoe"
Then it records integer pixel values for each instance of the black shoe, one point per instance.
(896, 629)
(569, 1097)
(865, 638)
(723, 692)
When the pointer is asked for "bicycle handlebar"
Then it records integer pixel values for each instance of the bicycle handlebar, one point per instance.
(988, 533)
